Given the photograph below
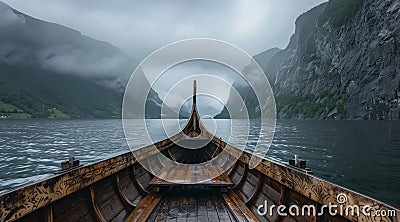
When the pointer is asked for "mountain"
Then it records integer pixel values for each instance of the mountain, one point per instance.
(234, 102)
(266, 56)
(342, 62)
(246, 93)
(47, 69)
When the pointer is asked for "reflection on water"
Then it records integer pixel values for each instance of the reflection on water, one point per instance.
(361, 155)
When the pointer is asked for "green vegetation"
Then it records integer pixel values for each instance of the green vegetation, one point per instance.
(339, 11)
(19, 115)
(7, 108)
(11, 111)
(55, 113)
(37, 92)
(311, 106)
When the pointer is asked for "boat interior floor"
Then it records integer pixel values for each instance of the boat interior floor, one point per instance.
(188, 194)
(183, 203)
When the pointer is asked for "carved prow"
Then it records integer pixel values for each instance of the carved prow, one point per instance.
(192, 128)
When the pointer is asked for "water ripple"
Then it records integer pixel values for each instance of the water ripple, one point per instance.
(361, 155)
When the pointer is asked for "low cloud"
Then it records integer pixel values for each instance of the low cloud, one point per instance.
(140, 27)
(8, 17)
(26, 41)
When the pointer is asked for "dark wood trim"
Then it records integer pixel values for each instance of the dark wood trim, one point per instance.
(49, 213)
(215, 153)
(239, 210)
(121, 194)
(145, 208)
(136, 182)
(242, 179)
(316, 217)
(232, 170)
(148, 166)
(256, 189)
(171, 157)
(226, 159)
(282, 201)
(40, 195)
(96, 209)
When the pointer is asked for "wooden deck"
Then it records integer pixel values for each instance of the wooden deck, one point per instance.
(207, 175)
(191, 195)
(199, 205)
(120, 188)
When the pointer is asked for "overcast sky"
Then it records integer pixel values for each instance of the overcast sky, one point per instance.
(140, 27)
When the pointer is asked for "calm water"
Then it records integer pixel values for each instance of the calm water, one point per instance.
(361, 155)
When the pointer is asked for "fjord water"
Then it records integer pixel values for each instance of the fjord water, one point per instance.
(361, 155)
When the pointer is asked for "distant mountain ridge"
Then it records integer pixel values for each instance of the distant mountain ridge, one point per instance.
(342, 62)
(45, 66)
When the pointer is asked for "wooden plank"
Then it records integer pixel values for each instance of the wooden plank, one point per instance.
(144, 208)
(192, 175)
(282, 201)
(242, 206)
(97, 212)
(50, 214)
(173, 212)
(256, 190)
(211, 210)
(163, 212)
(74, 207)
(121, 194)
(316, 189)
(179, 175)
(233, 199)
(222, 212)
(237, 213)
(192, 210)
(18, 203)
(202, 210)
(189, 175)
(120, 217)
(112, 207)
(204, 176)
(136, 182)
(32, 197)
(182, 210)
(242, 178)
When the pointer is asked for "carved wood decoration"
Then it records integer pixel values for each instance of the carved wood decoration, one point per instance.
(18, 203)
(27, 199)
(316, 189)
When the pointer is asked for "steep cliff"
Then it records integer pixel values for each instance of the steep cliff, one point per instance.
(343, 61)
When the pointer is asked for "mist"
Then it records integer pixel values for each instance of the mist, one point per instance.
(26, 41)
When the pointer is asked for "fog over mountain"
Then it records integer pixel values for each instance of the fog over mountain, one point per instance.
(140, 27)
(45, 66)
(28, 41)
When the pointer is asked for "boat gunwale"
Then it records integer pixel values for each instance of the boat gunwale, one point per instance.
(316, 189)
(22, 201)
